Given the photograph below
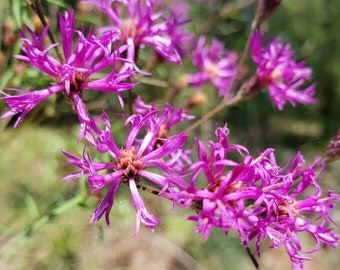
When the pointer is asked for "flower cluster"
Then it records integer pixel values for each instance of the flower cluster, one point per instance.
(73, 74)
(257, 198)
(227, 187)
(141, 23)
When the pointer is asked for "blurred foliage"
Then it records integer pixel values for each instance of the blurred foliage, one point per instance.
(31, 163)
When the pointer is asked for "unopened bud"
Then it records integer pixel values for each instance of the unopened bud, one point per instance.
(197, 99)
(181, 81)
(84, 8)
(265, 10)
(38, 25)
(19, 69)
(333, 149)
(9, 36)
(3, 62)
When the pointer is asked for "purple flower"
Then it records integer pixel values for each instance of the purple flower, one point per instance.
(72, 75)
(140, 23)
(277, 69)
(223, 176)
(169, 117)
(181, 39)
(292, 203)
(140, 159)
(216, 65)
(257, 198)
(162, 124)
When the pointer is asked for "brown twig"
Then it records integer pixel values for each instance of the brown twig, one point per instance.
(224, 104)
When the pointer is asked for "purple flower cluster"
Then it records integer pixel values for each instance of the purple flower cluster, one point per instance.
(75, 73)
(226, 186)
(277, 70)
(257, 198)
(141, 23)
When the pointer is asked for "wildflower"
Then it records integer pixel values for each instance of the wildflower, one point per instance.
(131, 164)
(181, 39)
(169, 117)
(214, 207)
(292, 203)
(277, 70)
(141, 23)
(72, 75)
(161, 124)
(257, 198)
(216, 65)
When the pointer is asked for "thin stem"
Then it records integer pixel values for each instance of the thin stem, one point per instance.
(245, 52)
(229, 8)
(19, 239)
(252, 258)
(2, 20)
(37, 8)
(224, 104)
(239, 97)
(197, 206)
(149, 190)
(144, 188)
(254, 25)
(130, 105)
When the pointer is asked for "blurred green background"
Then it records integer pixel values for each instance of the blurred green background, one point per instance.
(39, 232)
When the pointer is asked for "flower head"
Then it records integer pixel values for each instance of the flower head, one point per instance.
(216, 65)
(141, 158)
(141, 23)
(292, 203)
(162, 123)
(257, 198)
(277, 69)
(73, 74)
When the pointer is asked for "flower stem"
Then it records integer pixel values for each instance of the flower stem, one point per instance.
(37, 8)
(224, 104)
(240, 96)
(19, 239)
(252, 258)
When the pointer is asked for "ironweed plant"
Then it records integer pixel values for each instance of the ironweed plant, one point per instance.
(225, 185)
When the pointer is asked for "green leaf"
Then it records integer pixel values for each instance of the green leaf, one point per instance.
(32, 206)
(6, 77)
(17, 12)
(60, 4)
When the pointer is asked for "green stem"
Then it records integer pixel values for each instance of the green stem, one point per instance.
(19, 239)
(224, 104)
(239, 97)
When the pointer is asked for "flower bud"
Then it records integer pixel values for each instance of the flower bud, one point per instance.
(265, 10)
(181, 81)
(9, 36)
(333, 149)
(3, 62)
(197, 99)
(38, 25)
